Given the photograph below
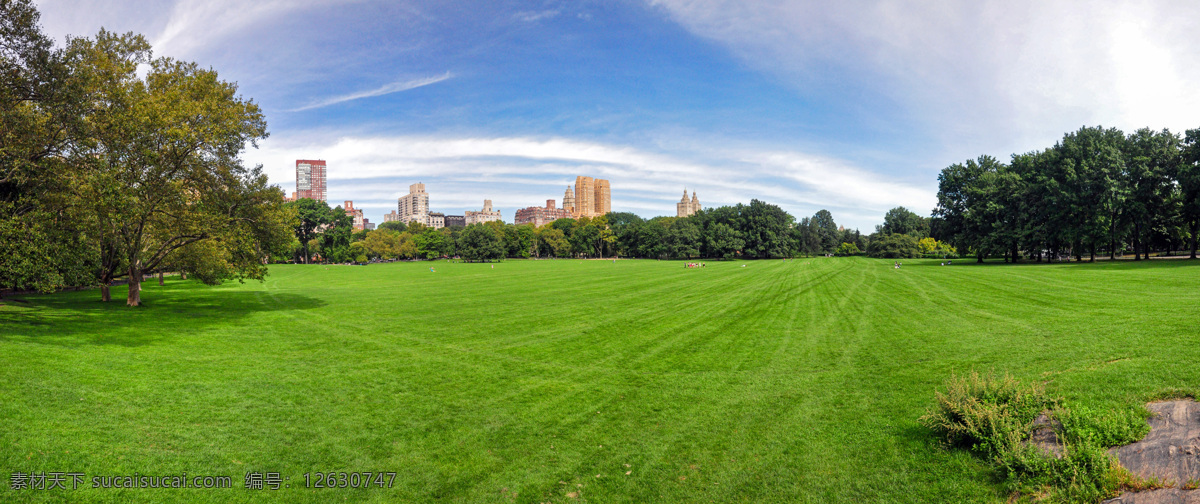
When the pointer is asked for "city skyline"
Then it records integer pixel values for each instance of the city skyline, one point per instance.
(850, 107)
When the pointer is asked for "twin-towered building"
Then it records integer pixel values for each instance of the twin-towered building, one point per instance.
(685, 208)
(591, 198)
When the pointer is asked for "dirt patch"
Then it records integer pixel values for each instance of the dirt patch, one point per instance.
(1169, 453)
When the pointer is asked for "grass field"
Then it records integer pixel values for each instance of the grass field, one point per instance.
(572, 381)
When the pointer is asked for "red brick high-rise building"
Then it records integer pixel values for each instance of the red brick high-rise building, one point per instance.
(310, 179)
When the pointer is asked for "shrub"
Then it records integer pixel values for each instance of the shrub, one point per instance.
(894, 246)
(847, 250)
(1084, 425)
(985, 412)
(993, 416)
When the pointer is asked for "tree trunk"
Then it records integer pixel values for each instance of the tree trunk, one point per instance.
(1092, 255)
(135, 286)
(1137, 242)
(105, 286)
(1194, 226)
(1112, 249)
(1015, 253)
(160, 278)
(183, 275)
(979, 257)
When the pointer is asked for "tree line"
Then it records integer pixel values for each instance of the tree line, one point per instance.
(755, 231)
(115, 164)
(1096, 191)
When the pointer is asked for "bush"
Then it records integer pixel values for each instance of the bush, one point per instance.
(894, 246)
(847, 249)
(1084, 425)
(983, 413)
(1084, 474)
(993, 416)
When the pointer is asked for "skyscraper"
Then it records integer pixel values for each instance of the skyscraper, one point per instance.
(603, 198)
(414, 206)
(310, 179)
(593, 197)
(585, 197)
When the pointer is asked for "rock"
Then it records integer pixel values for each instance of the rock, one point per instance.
(1044, 436)
(1169, 453)
(1160, 496)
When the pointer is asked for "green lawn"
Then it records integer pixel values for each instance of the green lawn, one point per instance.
(572, 381)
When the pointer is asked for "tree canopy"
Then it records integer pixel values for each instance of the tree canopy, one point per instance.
(114, 173)
(1096, 190)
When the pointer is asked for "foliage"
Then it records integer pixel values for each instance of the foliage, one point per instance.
(311, 216)
(993, 416)
(1084, 425)
(1096, 190)
(894, 246)
(932, 248)
(396, 226)
(480, 242)
(335, 239)
(900, 220)
(110, 171)
(980, 412)
(429, 243)
(847, 249)
(826, 231)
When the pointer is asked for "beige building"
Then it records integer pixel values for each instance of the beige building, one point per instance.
(569, 201)
(437, 220)
(486, 215)
(685, 207)
(391, 216)
(414, 206)
(593, 197)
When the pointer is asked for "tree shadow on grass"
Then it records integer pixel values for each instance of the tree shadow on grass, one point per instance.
(72, 319)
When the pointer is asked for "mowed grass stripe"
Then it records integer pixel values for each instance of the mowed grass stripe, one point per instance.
(784, 381)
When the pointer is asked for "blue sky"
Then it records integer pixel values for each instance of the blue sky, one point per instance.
(850, 106)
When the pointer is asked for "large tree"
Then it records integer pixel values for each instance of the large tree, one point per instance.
(44, 237)
(479, 242)
(311, 217)
(162, 168)
(901, 220)
(826, 230)
(1151, 160)
(1188, 175)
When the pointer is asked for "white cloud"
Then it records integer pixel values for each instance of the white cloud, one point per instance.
(531, 16)
(516, 172)
(196, 24)
(992, 76)
(394, 87)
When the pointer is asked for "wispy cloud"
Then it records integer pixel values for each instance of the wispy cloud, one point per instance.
(516, 172)
(992, 76)
(197, 24)
(531, 16)
(394, 87)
